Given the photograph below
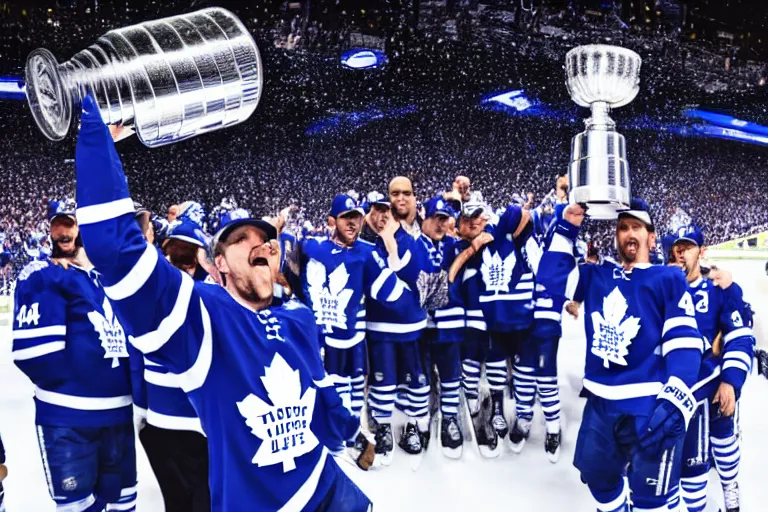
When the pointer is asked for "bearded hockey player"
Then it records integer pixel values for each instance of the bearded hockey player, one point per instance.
(253, 373)
(643, 357)
(394, 328)
(725, 321)
(68, 341)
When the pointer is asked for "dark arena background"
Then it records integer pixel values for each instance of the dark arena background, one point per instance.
(451, 87)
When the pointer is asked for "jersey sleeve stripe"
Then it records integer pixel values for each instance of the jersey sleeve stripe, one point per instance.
(39, 332)
(738, 356)
(732, 363)
(136, 277)
(547, 315)
(399, 263)
(679, 321)
(38, 351)
(104, 211)
(451, 324)
(194, 378)
(682, 343)
(561, 244)
(441, 313)
(397, 291)
(737, 333)
(154, 340)
(572, 283)
(379, 282)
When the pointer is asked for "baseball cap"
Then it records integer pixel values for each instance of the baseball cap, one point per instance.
(375, 198)
(64, 208)
(236, 218)
(638, 209)
(690, 233)
(343, 204)
(188, 231)
(472, 209)
(437, 206)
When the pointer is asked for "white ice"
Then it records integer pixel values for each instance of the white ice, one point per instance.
(524, 482)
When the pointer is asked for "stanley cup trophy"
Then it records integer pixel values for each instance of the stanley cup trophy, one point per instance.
(169, 79)
(601, 77)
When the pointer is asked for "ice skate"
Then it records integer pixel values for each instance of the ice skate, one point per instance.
(451, 438)
(499, 421)
(384, 444)
(552, 446)
(485, 434)
(731, 497)
(519, 435)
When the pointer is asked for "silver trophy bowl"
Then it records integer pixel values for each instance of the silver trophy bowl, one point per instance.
(601, 77)
(169, 79)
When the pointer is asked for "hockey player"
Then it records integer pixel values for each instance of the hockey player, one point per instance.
(168, 426)
(535, 370)
(643, 358)
(253, 373)
(337, 274)
(441, 341)
(68, 341)
(505, 294)
(394, 328)
(476, 348)
(724, 320)
(404, 205)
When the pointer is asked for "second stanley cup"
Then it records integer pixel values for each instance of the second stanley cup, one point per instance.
(601, 77)
(169, 79)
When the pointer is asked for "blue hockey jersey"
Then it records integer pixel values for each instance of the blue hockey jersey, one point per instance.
(640, 325)
(68, 341)
(255, 379)
(403, 319)
(449, 319)
(336, 280)
(725, 312)
(505, 279)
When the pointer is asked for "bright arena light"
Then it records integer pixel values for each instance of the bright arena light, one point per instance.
(363, 59)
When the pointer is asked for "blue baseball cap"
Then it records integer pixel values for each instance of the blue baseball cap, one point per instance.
(187, 231)
(65, 208)
(690, 234)
(472, 209)
(343, 204)
(437, 206)
(638, 209)
(234, 219)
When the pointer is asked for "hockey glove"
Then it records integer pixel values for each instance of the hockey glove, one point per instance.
(675, 406)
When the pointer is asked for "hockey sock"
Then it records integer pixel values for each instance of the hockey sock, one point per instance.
(419, 402)
(525, 390)
(358, 394)
(496, 373)
(727, 455)
(449, 398)
(381, 401)
(613, 500)
(470, 381)
(127, 501)
(401, 397)
(695, 492)
(550, 402)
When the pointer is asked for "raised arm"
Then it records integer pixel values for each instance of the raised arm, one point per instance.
(168, 321)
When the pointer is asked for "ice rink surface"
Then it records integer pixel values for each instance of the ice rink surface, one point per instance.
(520, 482)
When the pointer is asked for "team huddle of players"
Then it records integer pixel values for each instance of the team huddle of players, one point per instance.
(410, 307)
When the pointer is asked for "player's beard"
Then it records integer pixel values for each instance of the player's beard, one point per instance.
(59, 253)
(629, 250)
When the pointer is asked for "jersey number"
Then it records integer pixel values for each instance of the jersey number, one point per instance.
(28, 316)
(686, 304)
(702, 305)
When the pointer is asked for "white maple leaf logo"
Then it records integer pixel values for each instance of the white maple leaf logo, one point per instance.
(497, 273)
(613, 334)
(329, 301)
(284, 426)
(110, 332)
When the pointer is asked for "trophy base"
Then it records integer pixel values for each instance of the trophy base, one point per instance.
(604, 211)
(47, 96)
